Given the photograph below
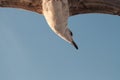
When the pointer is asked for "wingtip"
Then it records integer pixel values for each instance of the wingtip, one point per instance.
(75, 45)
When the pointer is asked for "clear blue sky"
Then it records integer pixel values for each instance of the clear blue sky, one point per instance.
(29, 50)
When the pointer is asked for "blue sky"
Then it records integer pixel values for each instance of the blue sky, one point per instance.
(29, 50)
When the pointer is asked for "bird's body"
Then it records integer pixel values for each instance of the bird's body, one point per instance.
(56, 13)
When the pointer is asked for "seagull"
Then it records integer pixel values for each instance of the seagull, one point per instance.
(56, 13)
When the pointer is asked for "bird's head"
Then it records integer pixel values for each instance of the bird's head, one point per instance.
(67, 35)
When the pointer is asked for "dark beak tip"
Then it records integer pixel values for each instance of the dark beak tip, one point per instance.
(75, 45)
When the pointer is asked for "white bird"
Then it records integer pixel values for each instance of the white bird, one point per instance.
(56, 13)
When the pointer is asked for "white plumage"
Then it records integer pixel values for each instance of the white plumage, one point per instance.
(56, 13)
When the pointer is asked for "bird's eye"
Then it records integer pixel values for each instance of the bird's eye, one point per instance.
(71, 33)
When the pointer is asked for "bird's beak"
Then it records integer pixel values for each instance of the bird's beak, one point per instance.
(74, 44)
